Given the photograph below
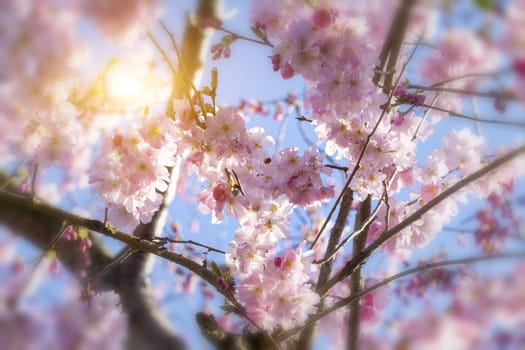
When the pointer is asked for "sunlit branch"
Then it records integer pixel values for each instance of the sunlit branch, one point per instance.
(176, 76)
(182, 69)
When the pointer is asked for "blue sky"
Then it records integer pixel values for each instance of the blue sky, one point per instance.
(248, 74)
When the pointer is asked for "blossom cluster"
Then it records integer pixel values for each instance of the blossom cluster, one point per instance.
(381, 142)
(334, 47)
(43, 58)
(122, 21)
(261, 192)
(131, 171)
(460, 156)
(278, 295)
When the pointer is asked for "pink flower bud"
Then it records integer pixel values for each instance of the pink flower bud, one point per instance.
(287, 71)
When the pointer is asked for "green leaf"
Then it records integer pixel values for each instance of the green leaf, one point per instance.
(228, 308)
(206, 91)
(216, 269)
(484, 4)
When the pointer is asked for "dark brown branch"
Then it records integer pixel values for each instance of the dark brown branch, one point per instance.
(40, 228)
(357, 283)
(307, 335)
(40, 209)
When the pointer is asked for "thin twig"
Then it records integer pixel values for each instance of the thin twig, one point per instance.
(236, 36)
(178, 241)
(120, 259)
(182, 69)
(489, 94)
(38, 261)
(481, 120)
(471, 75)
(177, 76)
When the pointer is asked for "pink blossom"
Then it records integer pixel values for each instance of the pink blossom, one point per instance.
(122, 20)
(131, 169)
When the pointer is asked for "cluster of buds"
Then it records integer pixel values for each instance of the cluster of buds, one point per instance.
(403, 96)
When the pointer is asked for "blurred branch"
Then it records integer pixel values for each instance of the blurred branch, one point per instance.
(40, 228)
(490, 94)
(48, 213)
(423, 267)
(391, 49)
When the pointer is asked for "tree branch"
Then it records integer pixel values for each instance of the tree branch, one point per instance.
(481, 120)
(48, 213)
(357, 283)
(307, 335)
(423, 267)
(361, 258)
